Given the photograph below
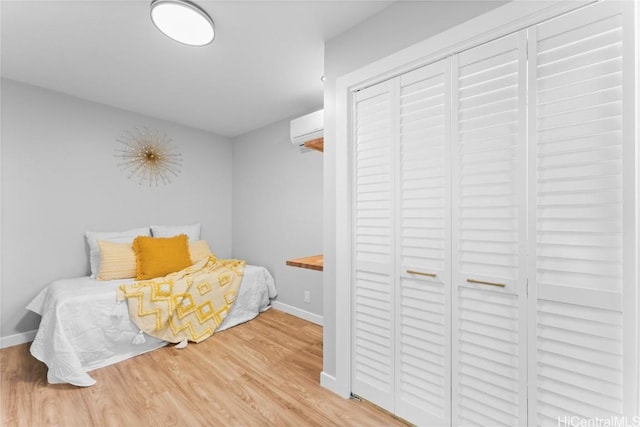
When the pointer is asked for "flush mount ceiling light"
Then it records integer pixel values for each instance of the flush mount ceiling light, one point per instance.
(182, 21)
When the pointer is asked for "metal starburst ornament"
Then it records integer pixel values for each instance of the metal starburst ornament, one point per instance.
(148, 155)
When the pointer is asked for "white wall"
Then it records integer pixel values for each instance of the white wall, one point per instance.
(60, 178)
(399, 26)
(277, 212)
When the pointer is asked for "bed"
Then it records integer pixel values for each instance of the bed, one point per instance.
(79, 331)
(85, 323)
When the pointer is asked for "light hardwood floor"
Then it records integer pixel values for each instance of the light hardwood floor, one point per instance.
(263, 373)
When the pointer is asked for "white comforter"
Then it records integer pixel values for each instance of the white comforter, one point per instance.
(79, 331)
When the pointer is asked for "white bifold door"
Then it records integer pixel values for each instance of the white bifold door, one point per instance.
(494, 278)
(489, 235)
(423, 284)
(401, 287)
(373, 329)
(582, 284)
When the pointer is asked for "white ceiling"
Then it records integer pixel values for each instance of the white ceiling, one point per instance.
(264, 65)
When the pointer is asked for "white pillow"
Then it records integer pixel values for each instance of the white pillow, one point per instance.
(192, 231)
(110, 236)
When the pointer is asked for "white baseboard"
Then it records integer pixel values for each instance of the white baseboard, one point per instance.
(294, 311)
(11, 340)
(330, 383)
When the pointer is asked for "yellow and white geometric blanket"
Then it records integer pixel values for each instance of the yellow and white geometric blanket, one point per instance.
(187, 305)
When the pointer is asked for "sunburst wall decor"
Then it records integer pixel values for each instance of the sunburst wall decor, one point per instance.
(148, 156)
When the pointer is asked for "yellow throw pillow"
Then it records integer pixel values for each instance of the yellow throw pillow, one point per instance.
(159, 256)
(117, 261)
(199, 250)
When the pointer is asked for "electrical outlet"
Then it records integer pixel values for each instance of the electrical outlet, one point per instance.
(307, 296)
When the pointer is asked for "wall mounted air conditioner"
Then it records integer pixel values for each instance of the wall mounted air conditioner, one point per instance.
(307, 128)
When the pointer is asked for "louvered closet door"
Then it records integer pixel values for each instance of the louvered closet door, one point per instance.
(581, 187)
(373, 276)
(423, 384)
(489, 235)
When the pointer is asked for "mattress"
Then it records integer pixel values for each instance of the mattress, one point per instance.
(79, 331)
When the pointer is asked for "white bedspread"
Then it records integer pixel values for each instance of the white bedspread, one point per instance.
(79, 332)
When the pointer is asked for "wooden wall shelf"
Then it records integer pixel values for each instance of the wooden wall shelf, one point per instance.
(315, 262)
(315, 144)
